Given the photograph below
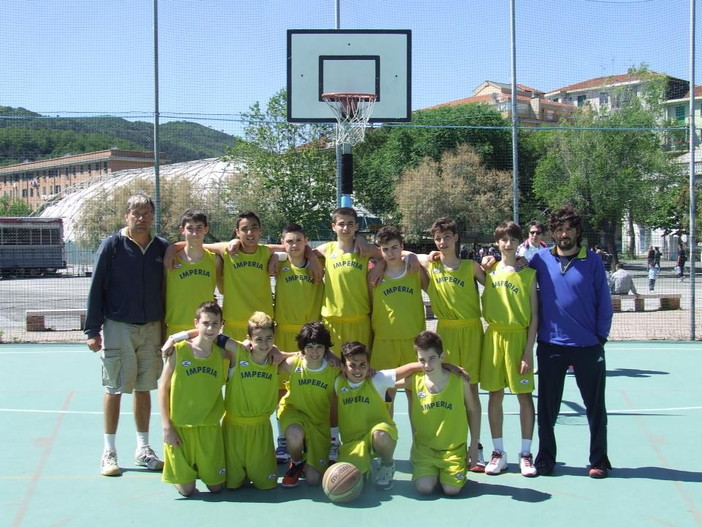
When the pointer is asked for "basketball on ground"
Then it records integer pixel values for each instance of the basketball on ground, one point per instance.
(342, 482)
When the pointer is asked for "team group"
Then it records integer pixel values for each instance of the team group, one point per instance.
(364, 302)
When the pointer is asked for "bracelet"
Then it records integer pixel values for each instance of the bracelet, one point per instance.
(181, 335)
(221, 340)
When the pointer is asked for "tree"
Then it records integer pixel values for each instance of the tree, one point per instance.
(104, 213)
(14, 207)
(288, 172)
(460, 186)
(610, 163)
(388, 152)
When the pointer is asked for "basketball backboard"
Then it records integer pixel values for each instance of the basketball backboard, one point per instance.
(366, 61)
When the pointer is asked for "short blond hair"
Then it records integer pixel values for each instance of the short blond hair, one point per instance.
(260, 320)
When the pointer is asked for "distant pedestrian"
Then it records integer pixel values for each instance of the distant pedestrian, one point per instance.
(653, 273)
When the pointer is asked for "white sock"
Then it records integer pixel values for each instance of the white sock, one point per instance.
(142, 440)
(335, 432)
(498, 444)
(526, 446)
(110, 442)
(281, 432)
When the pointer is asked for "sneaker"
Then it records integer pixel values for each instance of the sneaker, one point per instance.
(334, 450)
(292, 476)
(146, 457)
(597, 472)
(526, 465)
(281, 452)
(479, 465)
(384, 475)
(108, 464)
(497, 463)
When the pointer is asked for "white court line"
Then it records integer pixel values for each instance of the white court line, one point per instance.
(627, 411)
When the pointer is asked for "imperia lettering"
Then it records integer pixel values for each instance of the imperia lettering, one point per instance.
(298, 278)
(191, 272)
(348, 263)
(398, 289)
(312, 382)
(355, 399)
(262, 374)
(451, 280)
(240, 265)
(205, 370)
(506, 284)
(437, 404)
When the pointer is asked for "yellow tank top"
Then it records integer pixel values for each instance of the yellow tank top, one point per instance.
(309, 391)
(252, 389)
(439, 419)
(298, 299)
(247, 286)
(453, 293)
(506, 298)
(196, 387)
(360, 409)
(398, 308)
(187, 287)
(345, 286)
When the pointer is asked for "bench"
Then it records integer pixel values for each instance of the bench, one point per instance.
(36, 318)
(666, 301)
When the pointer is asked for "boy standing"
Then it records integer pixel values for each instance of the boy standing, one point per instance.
(346, 307)
(453, 293)
(191, 403)
(195, 276)
(398, 308)
(510, 309)
(442, 409)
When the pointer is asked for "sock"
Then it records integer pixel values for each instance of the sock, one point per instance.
(335, 433)
(142, 440)
(498, 444)
(526, 446)
(110, 441)
(281, 432)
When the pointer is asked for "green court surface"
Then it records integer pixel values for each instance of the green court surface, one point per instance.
(51, 441)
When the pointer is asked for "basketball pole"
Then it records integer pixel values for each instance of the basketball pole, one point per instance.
(344, 157)
(692, 238)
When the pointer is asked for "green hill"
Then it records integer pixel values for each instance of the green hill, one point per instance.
(26, 135)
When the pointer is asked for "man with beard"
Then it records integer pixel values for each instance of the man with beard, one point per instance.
(575, 316)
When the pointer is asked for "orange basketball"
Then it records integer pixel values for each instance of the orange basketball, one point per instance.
(342, 482)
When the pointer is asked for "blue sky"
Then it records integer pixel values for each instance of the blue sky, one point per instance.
(218, 57)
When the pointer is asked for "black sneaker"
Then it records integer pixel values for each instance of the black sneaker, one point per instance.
(292, 476)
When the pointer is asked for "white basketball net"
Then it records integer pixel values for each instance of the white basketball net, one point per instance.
(352, 111)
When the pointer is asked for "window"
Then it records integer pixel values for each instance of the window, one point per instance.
(680, 114)
(604, 98)
(581, 100)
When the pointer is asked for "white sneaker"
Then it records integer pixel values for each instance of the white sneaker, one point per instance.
(384, 475)
(146, 457)
(497, 463)
(108, 464)
(334, 450)
(526, 465)
(281, 452)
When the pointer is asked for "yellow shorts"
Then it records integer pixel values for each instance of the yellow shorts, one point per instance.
(360, 453)
(250, 453)
(131, 356)
(449, 466)
(463, 344)
(348, 330)
(200, 455)
(316, 437)
(502, 357)
(389, 354)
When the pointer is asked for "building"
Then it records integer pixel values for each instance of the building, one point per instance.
(532, 108)
(36, 182)
(678, 112)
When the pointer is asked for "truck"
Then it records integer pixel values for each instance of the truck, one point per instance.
(31, 246)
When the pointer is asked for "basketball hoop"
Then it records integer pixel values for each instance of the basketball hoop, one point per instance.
(352, 111)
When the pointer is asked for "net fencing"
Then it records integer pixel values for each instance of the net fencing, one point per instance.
(602, 104)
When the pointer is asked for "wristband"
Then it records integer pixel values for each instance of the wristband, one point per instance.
(221, 340)
(181, 335)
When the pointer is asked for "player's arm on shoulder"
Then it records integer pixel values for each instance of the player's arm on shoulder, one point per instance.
(478, 272)
(170, 257)
(527, 362)
(219, 273)
(407, 369)
(315, 264)
(453, 368)
(219, 248)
